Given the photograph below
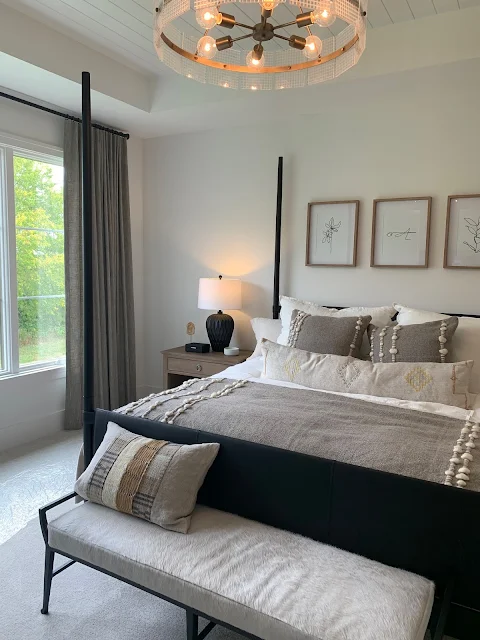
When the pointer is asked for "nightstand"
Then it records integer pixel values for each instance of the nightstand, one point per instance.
(180, 365)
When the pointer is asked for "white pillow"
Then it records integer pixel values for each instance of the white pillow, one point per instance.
(465, 342)
(265, 328)
(381, 316)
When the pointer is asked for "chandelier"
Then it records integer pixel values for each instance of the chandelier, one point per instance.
(312, 49)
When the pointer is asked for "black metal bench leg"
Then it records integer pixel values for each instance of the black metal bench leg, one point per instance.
(192, 625)
(47, 578)
(439, 631)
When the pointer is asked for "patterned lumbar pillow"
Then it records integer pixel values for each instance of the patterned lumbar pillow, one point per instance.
(421, 381)
(324, 334)
(152, 479)
(427, 342)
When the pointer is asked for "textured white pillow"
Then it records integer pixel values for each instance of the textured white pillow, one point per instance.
(265, 328)
(465, 342)
(420, 381)
(381, 316)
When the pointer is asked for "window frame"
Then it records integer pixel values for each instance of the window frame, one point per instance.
(11, 146)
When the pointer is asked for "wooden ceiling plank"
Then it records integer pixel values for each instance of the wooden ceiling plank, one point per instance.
(466, 4)
(422, 8)
(399, 10)
(442, 6)
(377, 14)
(114, 24)
(133, 9)
(76, 22)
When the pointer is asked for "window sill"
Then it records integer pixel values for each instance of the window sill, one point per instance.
(52, 372)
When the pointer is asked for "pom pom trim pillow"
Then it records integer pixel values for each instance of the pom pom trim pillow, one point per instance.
(466, 341)
(420, 381)
(380, 315)
(155, 480)
(427, 342)
(324, 334)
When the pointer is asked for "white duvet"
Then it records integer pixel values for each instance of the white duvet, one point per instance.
(251, 370)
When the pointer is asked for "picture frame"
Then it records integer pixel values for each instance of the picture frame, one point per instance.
(401, 232)
(332, 230)
(462, 238)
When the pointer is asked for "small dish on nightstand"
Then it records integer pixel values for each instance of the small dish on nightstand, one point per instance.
(231, 351)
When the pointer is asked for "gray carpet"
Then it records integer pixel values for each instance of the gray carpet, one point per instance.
(84, 604)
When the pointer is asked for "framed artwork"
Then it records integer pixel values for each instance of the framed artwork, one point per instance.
(462, 233)
(401, 232)
(332, 229)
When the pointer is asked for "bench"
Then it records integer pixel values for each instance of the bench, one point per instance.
(309, 554)
(260, 581)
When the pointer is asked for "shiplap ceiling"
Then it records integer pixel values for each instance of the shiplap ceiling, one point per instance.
(123, 28)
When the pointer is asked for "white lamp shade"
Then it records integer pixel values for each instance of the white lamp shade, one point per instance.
(219, 294)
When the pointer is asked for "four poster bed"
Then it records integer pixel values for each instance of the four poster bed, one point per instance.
(282, 463)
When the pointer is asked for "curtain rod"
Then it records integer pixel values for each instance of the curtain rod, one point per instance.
(67, 116)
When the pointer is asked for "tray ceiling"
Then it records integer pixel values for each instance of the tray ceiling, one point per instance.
(123, 28)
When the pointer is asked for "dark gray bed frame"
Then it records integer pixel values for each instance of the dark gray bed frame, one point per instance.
(424, 527)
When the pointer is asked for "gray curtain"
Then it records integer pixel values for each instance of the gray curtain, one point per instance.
(114, 330)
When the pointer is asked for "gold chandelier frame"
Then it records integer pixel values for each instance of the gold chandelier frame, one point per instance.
(237, 68)
(282, 68)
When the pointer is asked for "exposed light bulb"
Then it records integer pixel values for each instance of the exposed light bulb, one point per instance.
(207, 47)
(209, 17)
(313, 47)
(253, 87)
(269, 5)
(324, 15)
(226, 85)
(253, 61)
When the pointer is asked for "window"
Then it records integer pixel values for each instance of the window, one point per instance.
(32, 283)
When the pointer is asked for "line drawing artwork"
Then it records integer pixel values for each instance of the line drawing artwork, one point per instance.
(399, 234)
(332, 228)
(473, 228)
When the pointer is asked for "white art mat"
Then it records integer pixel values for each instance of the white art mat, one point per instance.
(401, 232)
(332, 234)
(464, 233)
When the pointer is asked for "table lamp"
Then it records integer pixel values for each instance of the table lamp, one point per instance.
(219, 293)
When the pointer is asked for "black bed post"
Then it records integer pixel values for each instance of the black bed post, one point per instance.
(278, 237)
(88, 415)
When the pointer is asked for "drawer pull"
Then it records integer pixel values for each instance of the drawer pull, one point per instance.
(198, 367)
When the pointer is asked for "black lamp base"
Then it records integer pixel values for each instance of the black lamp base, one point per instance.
(219, 328)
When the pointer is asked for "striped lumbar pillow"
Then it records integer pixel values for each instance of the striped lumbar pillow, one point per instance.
(152, 479)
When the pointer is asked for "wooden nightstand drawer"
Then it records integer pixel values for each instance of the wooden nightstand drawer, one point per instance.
(194, 368)
(179, 365)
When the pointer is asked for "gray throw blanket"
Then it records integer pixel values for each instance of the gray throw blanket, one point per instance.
(402, 441)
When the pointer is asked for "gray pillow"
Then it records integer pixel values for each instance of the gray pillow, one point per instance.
(151, 479)
(427, 342)
(324, 334)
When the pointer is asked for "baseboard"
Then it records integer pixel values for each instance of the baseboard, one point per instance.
(144, 390)
(147, 390)
(24, 432)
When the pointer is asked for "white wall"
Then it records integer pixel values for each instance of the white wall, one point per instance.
(32, 405)
(210, 200)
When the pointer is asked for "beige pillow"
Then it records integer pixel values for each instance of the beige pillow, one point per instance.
(421, 381)
(151, 479)
(465, 343)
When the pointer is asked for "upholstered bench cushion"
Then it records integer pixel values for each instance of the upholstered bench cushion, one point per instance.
(272, 583)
